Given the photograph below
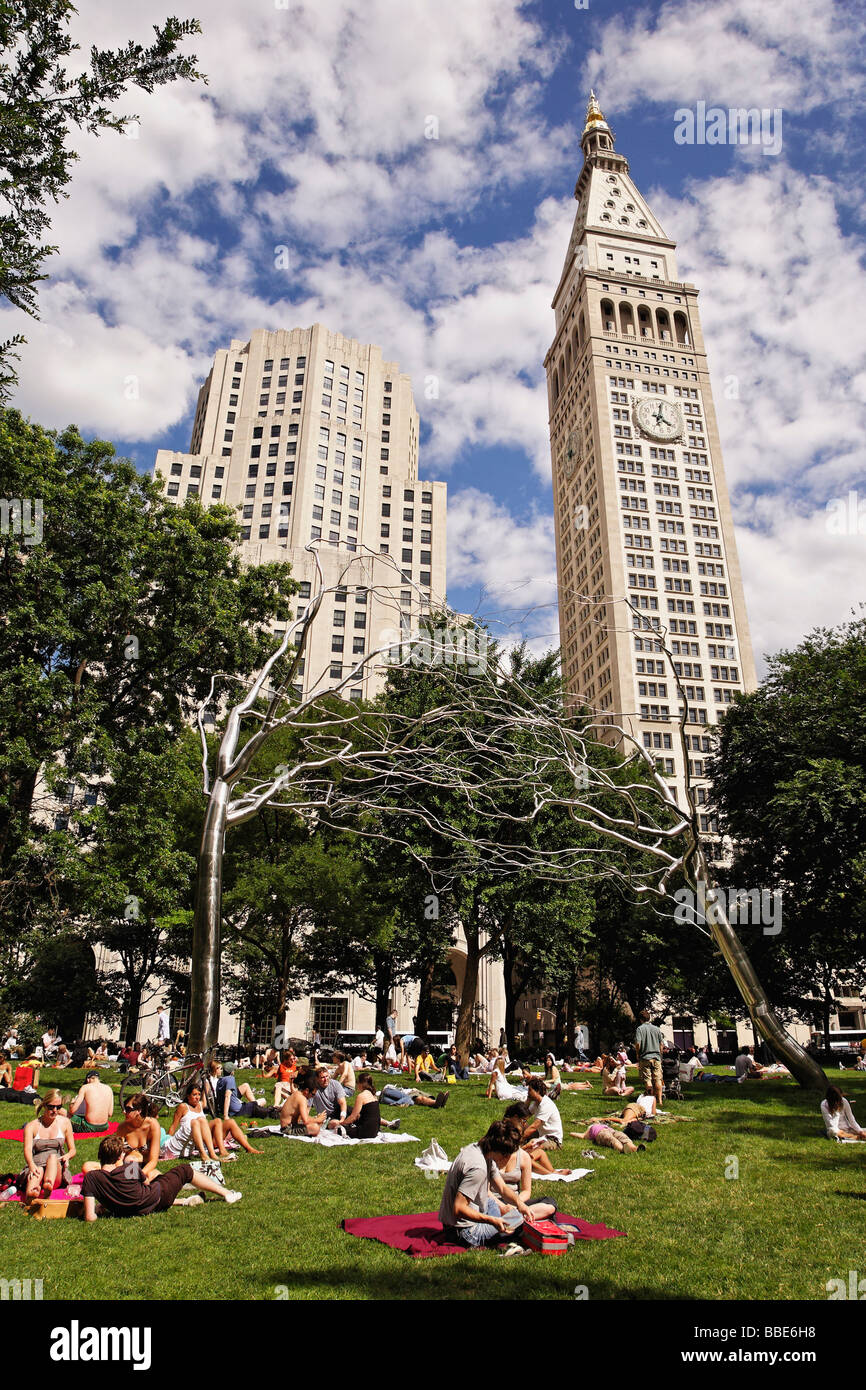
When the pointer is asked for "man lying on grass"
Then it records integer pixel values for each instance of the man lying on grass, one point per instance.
(118, 1187)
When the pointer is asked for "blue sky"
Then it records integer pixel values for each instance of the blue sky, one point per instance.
(312, 135)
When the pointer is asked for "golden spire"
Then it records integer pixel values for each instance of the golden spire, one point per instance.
(593, 111)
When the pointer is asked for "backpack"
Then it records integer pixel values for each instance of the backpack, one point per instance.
(640, 1132)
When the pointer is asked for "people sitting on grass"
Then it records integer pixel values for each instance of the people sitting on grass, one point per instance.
(481, 1064)
(286, 1071)
(49, 1147)
(425, 1066)
(360, 1059)
(330, 1097)
(838, 1116)
(270, 1062)
(396, 1095)
(746, 1067)
(62, 1057)
(690, 1066)
(6, 1077)
(141, 1132)
(544, 1132)
(295, 1117)
(599, 1132)
(518, 1171)
(98, 1056)
(613, 1078)
(365, 1120)
(91, 1109)
(232, 1100)
(554, 1079)
(119, 1187)
(468, 1211)
(453, 1066)
(344, 1072)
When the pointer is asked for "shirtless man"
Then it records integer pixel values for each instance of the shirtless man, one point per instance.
(295, 1115)
(91, 1109)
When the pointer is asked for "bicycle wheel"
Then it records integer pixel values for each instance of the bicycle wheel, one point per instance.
(131, 1085)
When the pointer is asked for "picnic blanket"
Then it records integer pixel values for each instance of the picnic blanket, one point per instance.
(329, 1139)
(18, 1134)
(60, 1194)
(422, 1236)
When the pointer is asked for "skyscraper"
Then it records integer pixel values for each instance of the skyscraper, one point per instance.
(644, 534)
(311, 436)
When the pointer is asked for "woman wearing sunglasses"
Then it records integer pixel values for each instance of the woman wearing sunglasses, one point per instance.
(45, 1140)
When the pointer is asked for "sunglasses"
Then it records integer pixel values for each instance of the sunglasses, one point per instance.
(51, 1107)
(130, 1109)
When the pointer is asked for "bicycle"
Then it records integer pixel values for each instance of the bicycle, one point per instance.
(165, 1086)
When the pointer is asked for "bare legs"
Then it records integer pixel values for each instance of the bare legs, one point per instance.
(220, 1128)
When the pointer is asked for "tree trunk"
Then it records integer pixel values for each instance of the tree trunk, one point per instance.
(129, 1026)
(207, 925)
(511, 994)
(570, 1010)
(801, 1066)
(425, 995)
(382, 970)
(468, 995)
(560, 1025)
(825, 1016)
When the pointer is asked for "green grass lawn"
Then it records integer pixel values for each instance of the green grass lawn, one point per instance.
(793, 1218)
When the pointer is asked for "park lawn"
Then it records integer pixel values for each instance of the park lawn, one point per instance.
(790, 1221)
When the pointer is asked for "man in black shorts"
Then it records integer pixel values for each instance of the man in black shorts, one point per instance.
(120, 1189)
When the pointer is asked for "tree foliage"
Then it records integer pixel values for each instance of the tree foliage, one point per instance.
(41, 101)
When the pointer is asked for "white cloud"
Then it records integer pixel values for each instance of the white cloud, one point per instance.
(764, 53)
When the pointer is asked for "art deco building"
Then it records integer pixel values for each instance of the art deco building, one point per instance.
(311, 436)
(644, 535)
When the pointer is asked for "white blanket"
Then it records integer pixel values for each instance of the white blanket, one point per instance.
(329, 1138)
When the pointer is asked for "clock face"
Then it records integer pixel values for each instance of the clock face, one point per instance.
(658, 418)
(572, 452)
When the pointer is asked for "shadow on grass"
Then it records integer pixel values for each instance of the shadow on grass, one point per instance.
(444, 1277)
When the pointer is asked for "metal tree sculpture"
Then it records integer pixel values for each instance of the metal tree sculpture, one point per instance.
(504, 754)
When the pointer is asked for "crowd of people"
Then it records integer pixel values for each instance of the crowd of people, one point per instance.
(488, 1191)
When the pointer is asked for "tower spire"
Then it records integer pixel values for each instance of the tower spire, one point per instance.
(598, 140)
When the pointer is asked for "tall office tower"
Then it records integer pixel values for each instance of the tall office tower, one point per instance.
(311, 436)
(641, 505)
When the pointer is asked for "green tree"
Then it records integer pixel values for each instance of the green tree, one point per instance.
(40, 104)
(789, 784)
(117, 604)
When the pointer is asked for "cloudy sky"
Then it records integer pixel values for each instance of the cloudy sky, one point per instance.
(417, 159)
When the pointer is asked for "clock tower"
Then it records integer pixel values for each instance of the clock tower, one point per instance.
(645, 543)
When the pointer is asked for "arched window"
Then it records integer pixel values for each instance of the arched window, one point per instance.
(626, 319)
(664, 325)
(607, 316)
(645, 322)
(682, 329)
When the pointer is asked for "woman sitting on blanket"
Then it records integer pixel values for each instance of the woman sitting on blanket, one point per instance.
(553, 1078)
(45, 1138)
(502, 1089)
(364, 1122)
(192, 1130)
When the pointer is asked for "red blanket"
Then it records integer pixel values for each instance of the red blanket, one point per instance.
(60, 1194)
(422, 1235)
(97, 1133)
